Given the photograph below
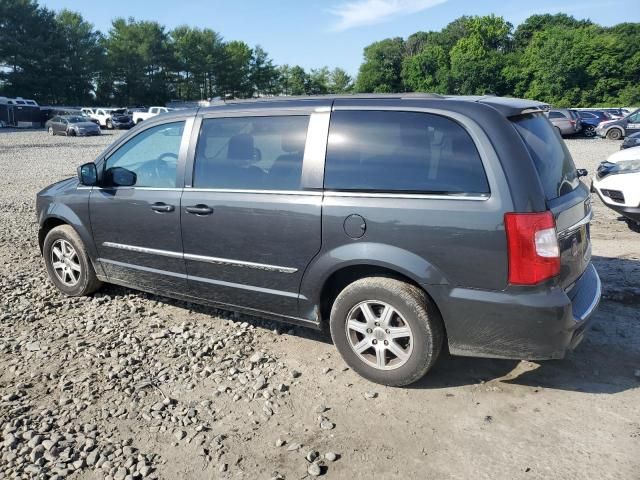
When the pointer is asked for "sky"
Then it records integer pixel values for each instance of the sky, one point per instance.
(315, 33)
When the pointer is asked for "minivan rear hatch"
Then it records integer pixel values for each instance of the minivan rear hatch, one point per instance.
(567, 198)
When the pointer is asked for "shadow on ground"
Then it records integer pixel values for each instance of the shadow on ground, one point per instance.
(605, 362)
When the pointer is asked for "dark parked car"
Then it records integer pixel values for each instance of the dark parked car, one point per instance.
(567, 122)
(621, 127)
(615, 113)
(120, 119)
(591, 119)
(632, 140)
(400, 223)
(72, 125)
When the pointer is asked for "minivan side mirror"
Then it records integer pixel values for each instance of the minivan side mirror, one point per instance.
(88, 174)
(120, 177)
(582, 172)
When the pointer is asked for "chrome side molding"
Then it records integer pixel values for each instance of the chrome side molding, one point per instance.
(201, 258)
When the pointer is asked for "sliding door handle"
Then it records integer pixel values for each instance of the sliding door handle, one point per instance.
(199, 209)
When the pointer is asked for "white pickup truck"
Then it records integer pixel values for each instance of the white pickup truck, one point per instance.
(103, 115)
(152, 112)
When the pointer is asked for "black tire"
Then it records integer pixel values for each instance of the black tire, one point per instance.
(413, 307)
(87, 282)
(589, 131)
(614, 134)
(72, 133)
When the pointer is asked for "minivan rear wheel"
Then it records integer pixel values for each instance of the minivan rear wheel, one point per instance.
(386, 330)
(67, 262)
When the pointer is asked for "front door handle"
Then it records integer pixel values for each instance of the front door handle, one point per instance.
(199, 209)
(162, 207)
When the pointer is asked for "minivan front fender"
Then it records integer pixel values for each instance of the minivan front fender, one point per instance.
(55, 214)
(400, 261)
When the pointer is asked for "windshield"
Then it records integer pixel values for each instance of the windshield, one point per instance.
(76, 119)
(550, 155)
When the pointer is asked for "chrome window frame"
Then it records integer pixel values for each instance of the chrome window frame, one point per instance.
(314, 152)
(495, 176)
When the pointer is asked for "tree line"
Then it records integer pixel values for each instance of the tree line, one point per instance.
(552, 58)
(60, 58)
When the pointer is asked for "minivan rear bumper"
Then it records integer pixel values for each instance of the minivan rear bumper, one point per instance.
(518, 323)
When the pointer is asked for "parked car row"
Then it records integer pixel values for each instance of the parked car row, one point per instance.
(122, 118)
(610, 123)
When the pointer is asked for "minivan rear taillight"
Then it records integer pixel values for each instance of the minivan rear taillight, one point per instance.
(532, 244)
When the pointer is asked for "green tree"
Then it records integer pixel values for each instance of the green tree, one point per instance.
(29, 50)
(477, 60)
(340, 81)
(80, 58)
(382, 67)
(427, 71)
(198, 55)
(263, 74)
(537, 23)
(298, 81)
(555, 66)
(318, 81)
(235, 75)
(139, 57)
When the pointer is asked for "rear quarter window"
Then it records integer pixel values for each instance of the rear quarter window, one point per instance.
(386, 151)
(552, 159)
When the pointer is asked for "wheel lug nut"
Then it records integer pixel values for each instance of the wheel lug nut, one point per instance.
(374, 342)
(386, 342)
(387, 331)
(377, 324)
(369, 330)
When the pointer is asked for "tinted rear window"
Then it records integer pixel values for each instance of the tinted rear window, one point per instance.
(552, 159)
(382, 151)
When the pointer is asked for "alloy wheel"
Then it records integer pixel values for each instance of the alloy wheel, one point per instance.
(379, 335)
(65, 262)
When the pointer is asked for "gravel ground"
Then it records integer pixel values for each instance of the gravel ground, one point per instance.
(127, 385)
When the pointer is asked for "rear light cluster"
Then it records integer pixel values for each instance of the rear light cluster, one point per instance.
(532, 243)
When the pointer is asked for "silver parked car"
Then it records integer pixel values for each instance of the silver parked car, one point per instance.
(72, 125)
(566, 121)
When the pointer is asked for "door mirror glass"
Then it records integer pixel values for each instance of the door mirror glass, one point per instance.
(120, 177)
(88, 174)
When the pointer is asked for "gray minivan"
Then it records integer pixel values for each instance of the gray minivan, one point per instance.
(404, 224)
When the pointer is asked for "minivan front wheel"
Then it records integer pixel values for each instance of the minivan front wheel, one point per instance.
(67, 262)
(386, 330)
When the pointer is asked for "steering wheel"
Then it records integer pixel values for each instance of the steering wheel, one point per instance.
(153, 171)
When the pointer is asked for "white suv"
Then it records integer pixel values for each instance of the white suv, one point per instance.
(617, 183)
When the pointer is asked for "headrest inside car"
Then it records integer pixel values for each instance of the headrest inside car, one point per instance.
(241, 147)
(292, 142)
